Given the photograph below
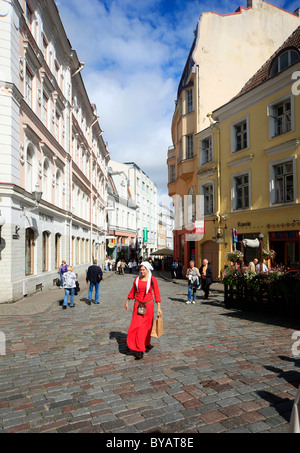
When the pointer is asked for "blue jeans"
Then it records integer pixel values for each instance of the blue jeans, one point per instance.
(69, 291)
(96, 292)
(190, 291)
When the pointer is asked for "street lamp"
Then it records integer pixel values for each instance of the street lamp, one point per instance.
(261, 238)
(2, 222)
(37, 195)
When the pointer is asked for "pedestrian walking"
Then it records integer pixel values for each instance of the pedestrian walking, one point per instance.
(206, 277)
(63, 268)
(69, 284)
(193, 276)
(94, 276)
(145, 286)
(123, 264)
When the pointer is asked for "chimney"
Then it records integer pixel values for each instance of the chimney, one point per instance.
(253, 3)
(297, 12)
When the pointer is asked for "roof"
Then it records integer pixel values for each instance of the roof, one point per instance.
(263, 73)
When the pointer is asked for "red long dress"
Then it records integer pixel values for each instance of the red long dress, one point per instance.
(139, 332)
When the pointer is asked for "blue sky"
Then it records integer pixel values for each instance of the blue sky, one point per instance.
(134, 53)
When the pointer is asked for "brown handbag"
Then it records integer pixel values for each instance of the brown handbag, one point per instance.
(142, 309)
(157, 328)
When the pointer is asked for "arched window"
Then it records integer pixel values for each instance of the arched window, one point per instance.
(29, 251)
(283, 61)
(29, 169)
(58, 189)
(57, 250)
(46, 180)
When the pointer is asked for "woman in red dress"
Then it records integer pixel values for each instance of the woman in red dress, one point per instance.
(139, 333)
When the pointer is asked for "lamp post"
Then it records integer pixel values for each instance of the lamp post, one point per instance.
(261, 238)
(37, 195)
(2, 222)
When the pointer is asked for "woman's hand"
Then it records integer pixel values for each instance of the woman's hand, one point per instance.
(159, 312)
(126, 304)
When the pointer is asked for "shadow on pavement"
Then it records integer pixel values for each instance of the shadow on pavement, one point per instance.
(121, 340)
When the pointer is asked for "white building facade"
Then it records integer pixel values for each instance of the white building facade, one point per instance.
(144, 193)
(121, 217)
(166, 223)
(51, 146)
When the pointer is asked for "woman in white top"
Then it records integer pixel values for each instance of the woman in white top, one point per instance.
(69, 284)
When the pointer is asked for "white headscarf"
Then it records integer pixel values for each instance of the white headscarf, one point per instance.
(149, 268)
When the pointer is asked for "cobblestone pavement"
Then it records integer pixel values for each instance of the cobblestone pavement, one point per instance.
(214, 370)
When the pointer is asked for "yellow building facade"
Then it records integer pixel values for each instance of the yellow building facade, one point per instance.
(249, 168)
(222, 58)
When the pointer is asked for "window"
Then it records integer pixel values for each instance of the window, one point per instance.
(28, 86)
(29, 251)
(29, 16)
(29, 169)
(242, 191)
(189, 147)
(283, 61)
(45, 109)
(240, 136)
(208, 194)
(284, 182)
(58, 189)
(57, 250)
(45, 251)
(46, 181)
(189, 101)
(206, 151)
(172, 173)
(281, 116)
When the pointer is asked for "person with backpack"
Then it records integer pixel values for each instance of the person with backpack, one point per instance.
(144, 288)
(94, 276)
(69, 284)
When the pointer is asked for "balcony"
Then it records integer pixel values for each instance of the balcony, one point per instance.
(187, 168)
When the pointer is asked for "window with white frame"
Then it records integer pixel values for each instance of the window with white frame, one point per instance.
(206, 150)
(28, 86)
(241, 190)
(189, 147)
(284, 182)
(189, 101)
(45, 109)
(281, 116)
(46, 180)
(240, 134)
(29, 169)
(284, 60)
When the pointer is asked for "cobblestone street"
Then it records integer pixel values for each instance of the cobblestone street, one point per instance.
(214, 370)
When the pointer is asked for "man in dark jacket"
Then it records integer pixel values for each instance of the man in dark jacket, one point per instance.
(94, 276)
(206, 277)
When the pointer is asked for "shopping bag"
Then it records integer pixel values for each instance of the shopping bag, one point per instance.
(157, 328)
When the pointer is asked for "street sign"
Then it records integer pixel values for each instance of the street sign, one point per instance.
(199, 227)
(145, 235)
